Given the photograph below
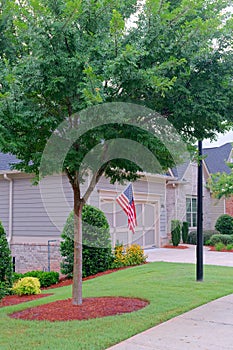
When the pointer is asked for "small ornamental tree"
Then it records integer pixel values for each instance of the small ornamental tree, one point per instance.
(224, 224)
(5, 262)
(97, 251)
(185, 231)
(175, 231)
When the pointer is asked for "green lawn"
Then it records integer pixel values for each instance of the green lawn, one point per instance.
(170, 287)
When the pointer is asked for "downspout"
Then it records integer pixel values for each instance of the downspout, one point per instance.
(10, 220)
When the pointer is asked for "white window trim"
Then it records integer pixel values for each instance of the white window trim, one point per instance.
(191, 197)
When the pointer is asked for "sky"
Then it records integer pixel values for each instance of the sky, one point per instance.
(222, 139)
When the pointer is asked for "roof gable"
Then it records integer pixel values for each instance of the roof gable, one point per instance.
(217, 157)
(6, 160)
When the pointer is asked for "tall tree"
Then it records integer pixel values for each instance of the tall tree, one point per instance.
(59, 57)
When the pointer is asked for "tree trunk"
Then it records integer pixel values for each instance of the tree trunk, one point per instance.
(77, 270)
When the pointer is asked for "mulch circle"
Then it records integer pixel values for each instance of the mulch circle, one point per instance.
(175, 247)
(64, 310)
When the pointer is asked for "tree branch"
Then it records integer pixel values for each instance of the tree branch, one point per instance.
(71, 180)
(160, 6)
(95, 179)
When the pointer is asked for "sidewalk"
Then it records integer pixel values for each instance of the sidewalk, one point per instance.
(208, 327)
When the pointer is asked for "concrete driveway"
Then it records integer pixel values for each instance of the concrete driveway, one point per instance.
(189, 256)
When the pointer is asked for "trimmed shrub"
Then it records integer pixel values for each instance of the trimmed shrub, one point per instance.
(185, 231)
(4, 289)
(5, 264)
(175, 232)
(207, 234)
(27, 286)
(46, 278)
(135, 255)
(120, 258)
(229, 247)
(219, 246)
(97, 250)
(16, 276)
(224, 224)
(130, 256)
(219, 238)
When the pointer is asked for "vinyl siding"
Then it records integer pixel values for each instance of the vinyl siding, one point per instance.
(40, 212)
(29, 215)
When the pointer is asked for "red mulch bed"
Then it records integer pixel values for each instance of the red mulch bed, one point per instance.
(16, 299)
(212, 249)
(63, 310)
(173, 247)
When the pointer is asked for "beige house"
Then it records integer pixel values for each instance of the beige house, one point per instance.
(34, 219)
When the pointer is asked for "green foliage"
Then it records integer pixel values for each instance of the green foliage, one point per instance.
(5, 260)
(185, 231)
(27, 286)
(5, 289)
(224, 224)
(129, 256)
(221, 184)
(63, 57)
(229, 247)
(175, 232)
(220, 238)
(97, 251)
(207, 234)
(46, 278)
(219, 246)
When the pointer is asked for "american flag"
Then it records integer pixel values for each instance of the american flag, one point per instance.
(126, 201)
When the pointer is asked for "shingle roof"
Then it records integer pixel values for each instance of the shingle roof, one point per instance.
(217, 157)
(179, 170)
(6, 159)
(215, 160)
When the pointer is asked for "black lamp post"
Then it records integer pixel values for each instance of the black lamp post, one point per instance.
(199, 266)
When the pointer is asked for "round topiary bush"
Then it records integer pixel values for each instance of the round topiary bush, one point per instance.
(27, 286)
(97, 250)
(224, 224)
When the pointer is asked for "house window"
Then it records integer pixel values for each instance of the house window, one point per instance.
(191, 211)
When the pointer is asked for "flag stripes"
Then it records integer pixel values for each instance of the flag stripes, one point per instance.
(126, 201)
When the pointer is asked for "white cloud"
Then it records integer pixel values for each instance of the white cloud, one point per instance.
(221, 140)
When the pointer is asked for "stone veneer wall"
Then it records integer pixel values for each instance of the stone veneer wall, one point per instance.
(30, 257)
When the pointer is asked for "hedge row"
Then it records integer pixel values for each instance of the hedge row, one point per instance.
(220, 238)
(207, 234)
(46, 278)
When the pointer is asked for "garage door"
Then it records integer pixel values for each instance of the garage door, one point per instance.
(147, 230)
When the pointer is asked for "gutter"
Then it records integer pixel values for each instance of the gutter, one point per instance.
(10, 219)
